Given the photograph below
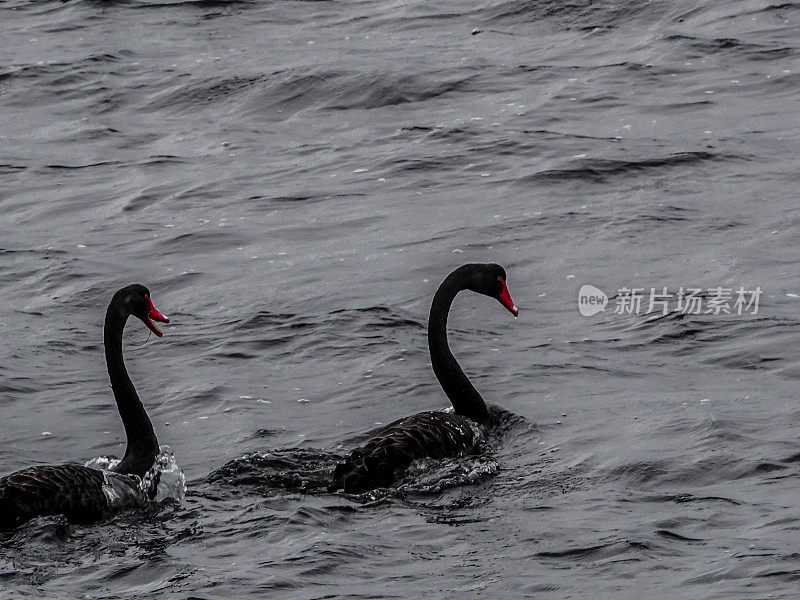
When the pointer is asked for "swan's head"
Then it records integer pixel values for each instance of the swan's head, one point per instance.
(136, 300)
(490, 280)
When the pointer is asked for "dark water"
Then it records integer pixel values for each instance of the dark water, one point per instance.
(293, 179)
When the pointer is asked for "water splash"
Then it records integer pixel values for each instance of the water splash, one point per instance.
(164, 481)
(102, 463)
(433, 476)
(310, 471)
(123, 491)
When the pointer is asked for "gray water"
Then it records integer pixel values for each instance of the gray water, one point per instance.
(292, 180)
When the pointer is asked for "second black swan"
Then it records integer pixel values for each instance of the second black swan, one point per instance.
(434, 434)
(80, 493)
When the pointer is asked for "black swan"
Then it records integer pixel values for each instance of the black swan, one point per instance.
(430, 434)
(84, 494)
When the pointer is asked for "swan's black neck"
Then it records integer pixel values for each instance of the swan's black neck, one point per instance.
(142, 443)
(465, 398)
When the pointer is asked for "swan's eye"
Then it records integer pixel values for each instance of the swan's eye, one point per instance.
(502, 285)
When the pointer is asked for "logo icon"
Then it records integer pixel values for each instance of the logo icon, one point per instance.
(591, 300)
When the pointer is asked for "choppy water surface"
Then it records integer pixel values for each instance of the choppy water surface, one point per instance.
(293, 179)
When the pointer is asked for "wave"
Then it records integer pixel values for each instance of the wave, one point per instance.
(280, 94)
(602, 170)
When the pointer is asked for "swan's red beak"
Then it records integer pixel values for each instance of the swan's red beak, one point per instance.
(505, 300)
(154, 316)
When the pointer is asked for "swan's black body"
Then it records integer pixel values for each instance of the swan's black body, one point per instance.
(74, 490)
(377, 462)
(430, 434)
